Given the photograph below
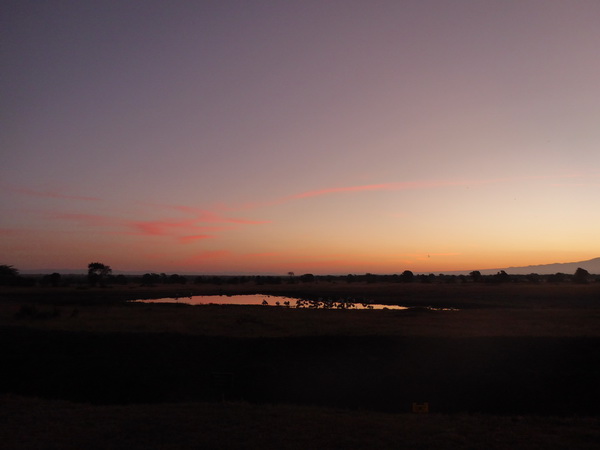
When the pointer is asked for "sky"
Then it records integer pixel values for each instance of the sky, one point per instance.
(326, 137)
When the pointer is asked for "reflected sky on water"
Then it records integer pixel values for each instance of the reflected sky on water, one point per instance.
(269, 300)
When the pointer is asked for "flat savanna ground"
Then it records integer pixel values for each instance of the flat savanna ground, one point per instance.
(516, 366)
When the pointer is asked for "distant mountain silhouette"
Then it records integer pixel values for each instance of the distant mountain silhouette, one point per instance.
(591, 265)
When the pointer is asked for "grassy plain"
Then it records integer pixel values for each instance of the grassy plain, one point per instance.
(515, 367)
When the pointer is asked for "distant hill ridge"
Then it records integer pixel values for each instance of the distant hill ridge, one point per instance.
(591, 265)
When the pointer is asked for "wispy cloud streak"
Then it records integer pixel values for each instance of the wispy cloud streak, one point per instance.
(399, 186)
(187, 239)
(204, 224)
(410, 185)
(170, 227)
(210, 216)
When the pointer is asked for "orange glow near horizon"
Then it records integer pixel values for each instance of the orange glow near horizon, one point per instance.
(323, 239)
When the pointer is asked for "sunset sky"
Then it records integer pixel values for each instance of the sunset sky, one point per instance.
(324, 137)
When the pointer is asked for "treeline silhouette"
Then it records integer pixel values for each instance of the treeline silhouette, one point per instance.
(101, 275)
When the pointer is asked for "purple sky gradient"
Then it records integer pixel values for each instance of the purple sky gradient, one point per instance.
(313, 136)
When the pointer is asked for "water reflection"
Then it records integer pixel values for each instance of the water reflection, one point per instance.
(271, 300)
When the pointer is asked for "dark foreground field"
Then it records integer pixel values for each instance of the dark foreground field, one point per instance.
(46, 424)
(497, 375)
(518, 374)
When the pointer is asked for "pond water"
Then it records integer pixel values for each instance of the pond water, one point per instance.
(269, 300)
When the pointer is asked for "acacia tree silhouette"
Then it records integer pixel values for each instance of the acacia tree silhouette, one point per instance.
(8, 275)
(407, 276)
(476, 276)
(97, 273)
(8, 271)
(581, 276)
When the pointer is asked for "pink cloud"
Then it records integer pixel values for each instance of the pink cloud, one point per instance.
(401, 186)
(169, 227)
(395, 186)
(247, 221)
(211, 216)
(194, 225)
(185, 230)
(159, 227)
(202, 214)
(398, 186)
(186, 239)
(142, 228)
